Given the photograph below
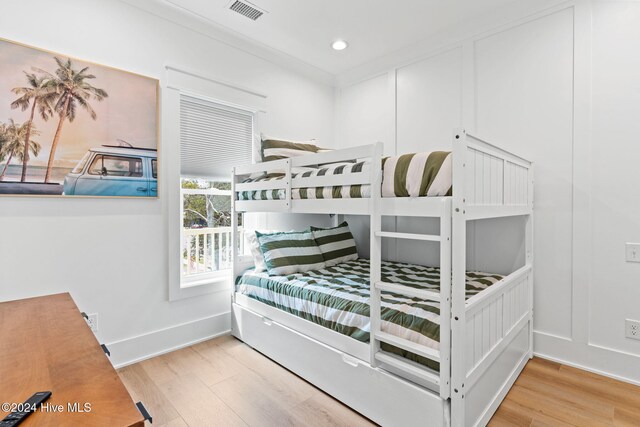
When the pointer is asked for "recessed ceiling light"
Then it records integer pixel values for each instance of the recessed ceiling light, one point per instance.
(339, 45)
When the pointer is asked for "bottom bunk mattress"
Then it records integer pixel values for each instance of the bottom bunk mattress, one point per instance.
(337, 298)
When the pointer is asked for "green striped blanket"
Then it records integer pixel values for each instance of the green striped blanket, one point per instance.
(337, 298)
(408, 175)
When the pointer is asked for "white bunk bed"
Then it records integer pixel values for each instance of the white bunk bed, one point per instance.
(490, 337)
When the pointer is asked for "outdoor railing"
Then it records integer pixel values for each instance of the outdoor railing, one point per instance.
(207, 250)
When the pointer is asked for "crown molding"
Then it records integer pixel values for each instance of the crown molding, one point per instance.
(521, 10)
(194, 22)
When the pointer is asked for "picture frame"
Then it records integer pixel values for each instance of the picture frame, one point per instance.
(74, 128)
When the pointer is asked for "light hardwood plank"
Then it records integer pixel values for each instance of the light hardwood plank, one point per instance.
(189, 361)
(158, 370)
(256, 401)
(626, 417)
(197, 404)
(225, 365)
(324, 411)
(227, 342)
(143, 389)
(568, 395)
(513, 413)
(570, 414)
(551, 394)
(291, 387)
(617, 392)
(178, 422)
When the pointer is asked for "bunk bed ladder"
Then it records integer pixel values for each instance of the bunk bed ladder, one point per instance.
(442, 380)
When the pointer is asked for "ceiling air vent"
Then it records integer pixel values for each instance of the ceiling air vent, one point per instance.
(246, 9)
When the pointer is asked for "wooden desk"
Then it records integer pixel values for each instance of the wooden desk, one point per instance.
(45, 344)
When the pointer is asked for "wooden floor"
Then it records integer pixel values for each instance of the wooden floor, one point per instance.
(551, 394)
(223, 382)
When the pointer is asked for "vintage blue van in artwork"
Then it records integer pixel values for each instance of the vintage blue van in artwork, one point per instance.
(114, 171)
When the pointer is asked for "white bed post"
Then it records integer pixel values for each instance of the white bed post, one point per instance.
(375, 250)
(445, 298)
(234, 229)
(529, 256)
(459, 246)
(288, 183)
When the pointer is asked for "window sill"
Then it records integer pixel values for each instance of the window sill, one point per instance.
(201, 286)
(194, 282)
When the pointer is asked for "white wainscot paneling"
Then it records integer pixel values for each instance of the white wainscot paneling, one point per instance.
(359, 226)
(416, 251)
(498, 245)
(615, 288)
(524, 103)
(365, 116)
(429, 107)
(429, 102)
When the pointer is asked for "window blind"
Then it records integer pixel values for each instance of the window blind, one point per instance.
(213, 138)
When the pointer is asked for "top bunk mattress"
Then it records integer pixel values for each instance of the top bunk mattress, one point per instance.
(425, 174)
(337, 298)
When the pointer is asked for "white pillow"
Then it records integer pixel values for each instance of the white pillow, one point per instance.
(254, 246)
(251, 239)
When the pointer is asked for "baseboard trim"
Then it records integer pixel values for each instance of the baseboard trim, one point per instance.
(591, 358)
(141, 347)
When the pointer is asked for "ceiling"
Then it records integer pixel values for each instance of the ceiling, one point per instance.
(305, 29)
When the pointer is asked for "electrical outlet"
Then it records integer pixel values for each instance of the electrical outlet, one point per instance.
(92, 321)
(633, 252)
(632, 329)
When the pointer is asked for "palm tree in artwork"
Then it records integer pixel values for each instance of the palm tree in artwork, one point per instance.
(13, 135)
(39, 94)
(4, 142)
(72, 90)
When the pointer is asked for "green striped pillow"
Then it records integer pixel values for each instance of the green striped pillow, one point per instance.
(336, 244)
(417, 175)
(275, 149)
(290, 252)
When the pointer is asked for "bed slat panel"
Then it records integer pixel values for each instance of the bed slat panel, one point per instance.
(495, 181)
(489, 325)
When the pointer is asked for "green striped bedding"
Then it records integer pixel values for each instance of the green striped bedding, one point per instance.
(409, 175)
(337, 298)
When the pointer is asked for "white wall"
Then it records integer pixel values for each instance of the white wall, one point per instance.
(615, 286)
(112, 254)
(524, 103)
(529, 85)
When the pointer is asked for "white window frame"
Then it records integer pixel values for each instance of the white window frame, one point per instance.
(225, 94)
(205, 278)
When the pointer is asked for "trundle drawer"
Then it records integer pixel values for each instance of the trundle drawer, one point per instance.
(380, 396)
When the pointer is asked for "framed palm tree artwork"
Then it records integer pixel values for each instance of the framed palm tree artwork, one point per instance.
(72, 128)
